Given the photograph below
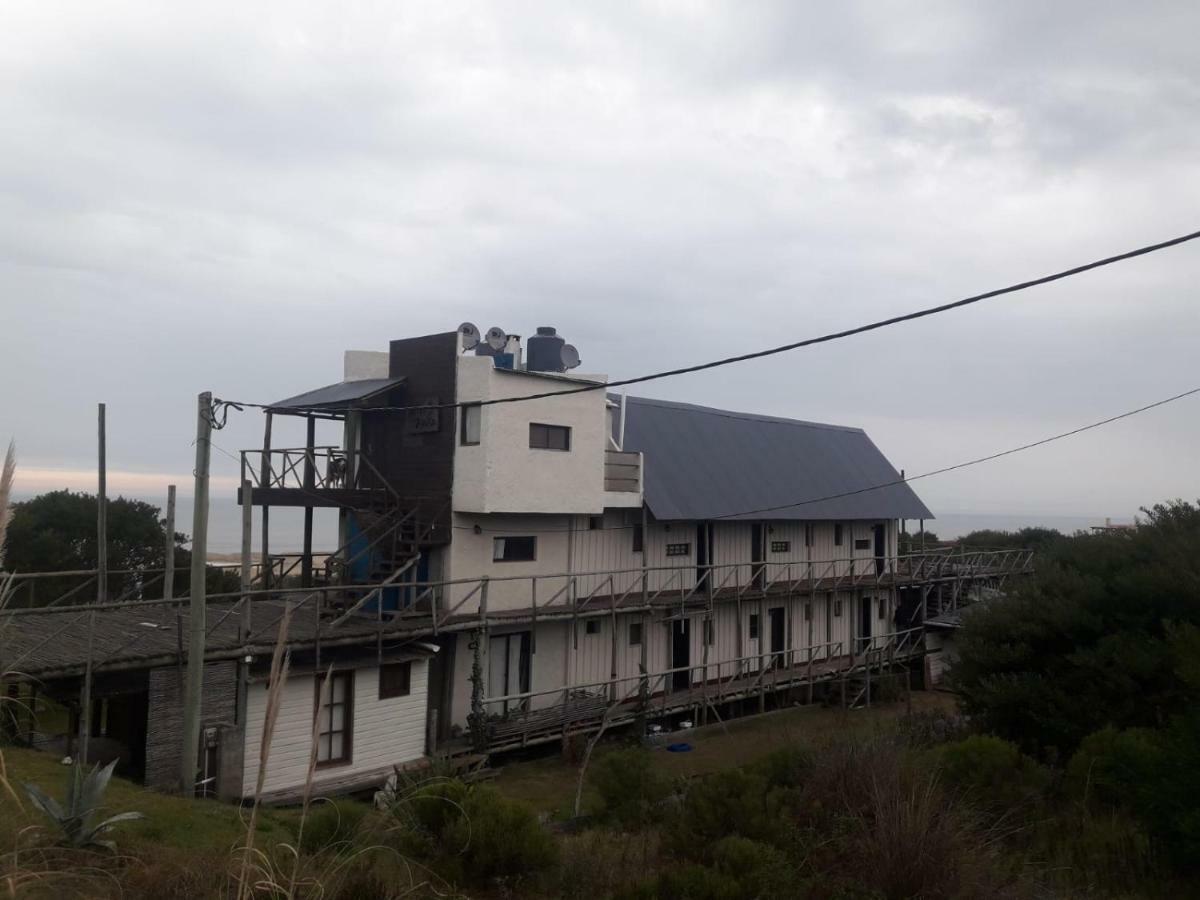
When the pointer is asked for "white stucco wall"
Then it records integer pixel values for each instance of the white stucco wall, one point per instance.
(386, 732)
(358, 365)
(503, 473)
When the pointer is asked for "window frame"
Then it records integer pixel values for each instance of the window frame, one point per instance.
(752, 628)
(391, 693)
(839, 534)
(591, 626)
(781, 546)
(515, 537)
(808, 534)
(639, 539)
(549, 429)
(347, 730)
(635, 634)
(467, 409)
(674, 549)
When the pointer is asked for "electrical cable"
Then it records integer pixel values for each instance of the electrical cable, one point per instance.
(784, 348)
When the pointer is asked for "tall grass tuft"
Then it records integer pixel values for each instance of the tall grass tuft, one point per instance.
(280, 663)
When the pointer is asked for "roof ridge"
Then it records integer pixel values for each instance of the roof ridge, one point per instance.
(735, 414)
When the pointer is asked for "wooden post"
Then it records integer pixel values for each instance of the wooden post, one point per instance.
(169, 550)
(306, 565)
(197, 625)
(264, 480)
(247, 580)
(85, 702)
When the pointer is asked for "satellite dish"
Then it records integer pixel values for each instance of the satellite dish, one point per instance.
(469, 335)
(570, 356)
(497, 338)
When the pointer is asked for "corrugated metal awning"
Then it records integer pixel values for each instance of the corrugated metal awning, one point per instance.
(337, 396)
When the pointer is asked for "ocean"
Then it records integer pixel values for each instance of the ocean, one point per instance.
(287, 525)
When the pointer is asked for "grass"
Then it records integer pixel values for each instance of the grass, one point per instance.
(171, 822)
(548, 785)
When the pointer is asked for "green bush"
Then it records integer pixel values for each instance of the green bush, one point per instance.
(495, 838)
(331, 823)
(761, 870)
(631, 790)
(994, 773)
(787, 767)
(733, 801)
(688, 882)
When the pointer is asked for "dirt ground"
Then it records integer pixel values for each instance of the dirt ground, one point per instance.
(548, 784)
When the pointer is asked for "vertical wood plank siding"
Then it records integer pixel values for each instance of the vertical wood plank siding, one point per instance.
(385, 732)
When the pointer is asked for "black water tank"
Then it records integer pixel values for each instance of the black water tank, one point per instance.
(543, 353)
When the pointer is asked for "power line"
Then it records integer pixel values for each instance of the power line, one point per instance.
(875, 487)
(784, 348)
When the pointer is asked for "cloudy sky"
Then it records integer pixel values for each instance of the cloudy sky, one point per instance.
(209, 196)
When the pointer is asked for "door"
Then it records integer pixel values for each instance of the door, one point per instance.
(703, 554)
(681, 654)
(776, 619)
(864, 623)
(880, 548)
(508, 666)
(758, 541)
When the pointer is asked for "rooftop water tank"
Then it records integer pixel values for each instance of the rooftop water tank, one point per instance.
(543, 351)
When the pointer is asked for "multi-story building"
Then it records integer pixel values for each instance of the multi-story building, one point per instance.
(522, 554)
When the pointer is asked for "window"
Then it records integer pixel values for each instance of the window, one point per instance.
(593, 626)
(807, 612)
(837, 534)
(862, 544)
(395, 680)
(709, 632)
(808, 534)
(335, 719)
(549, 437)
(639, 539)
(837, 609)
(754, 626)
(635, 634)
(882, 608)
(781, 546)
(468, 434)
(679, 549)
(595, 523)
(514, 549)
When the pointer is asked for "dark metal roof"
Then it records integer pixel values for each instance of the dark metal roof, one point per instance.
(703, 463)
(336, 396)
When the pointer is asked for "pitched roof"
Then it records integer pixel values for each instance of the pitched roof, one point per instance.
(703, 463)
(338, 395)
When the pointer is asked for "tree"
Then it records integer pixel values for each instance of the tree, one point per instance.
(57, 532)
(1086, 642)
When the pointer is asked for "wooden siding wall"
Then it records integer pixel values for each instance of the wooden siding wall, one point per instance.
(610, 549)
(589, 660)
(385, 732)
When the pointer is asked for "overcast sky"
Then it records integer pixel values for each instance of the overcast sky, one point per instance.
(195, 197)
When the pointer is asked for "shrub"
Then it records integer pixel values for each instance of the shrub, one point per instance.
(733, 801)
(494, 838)
(631, 790)
(927, 728)
(994, 773)
(786, 767)
(761, 870)
(331, 824)
(689, 882)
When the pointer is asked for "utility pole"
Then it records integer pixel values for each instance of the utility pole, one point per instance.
(85, 700)
(168, 590)
(197, 624)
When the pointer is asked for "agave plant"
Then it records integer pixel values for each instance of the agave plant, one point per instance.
(76, 815)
